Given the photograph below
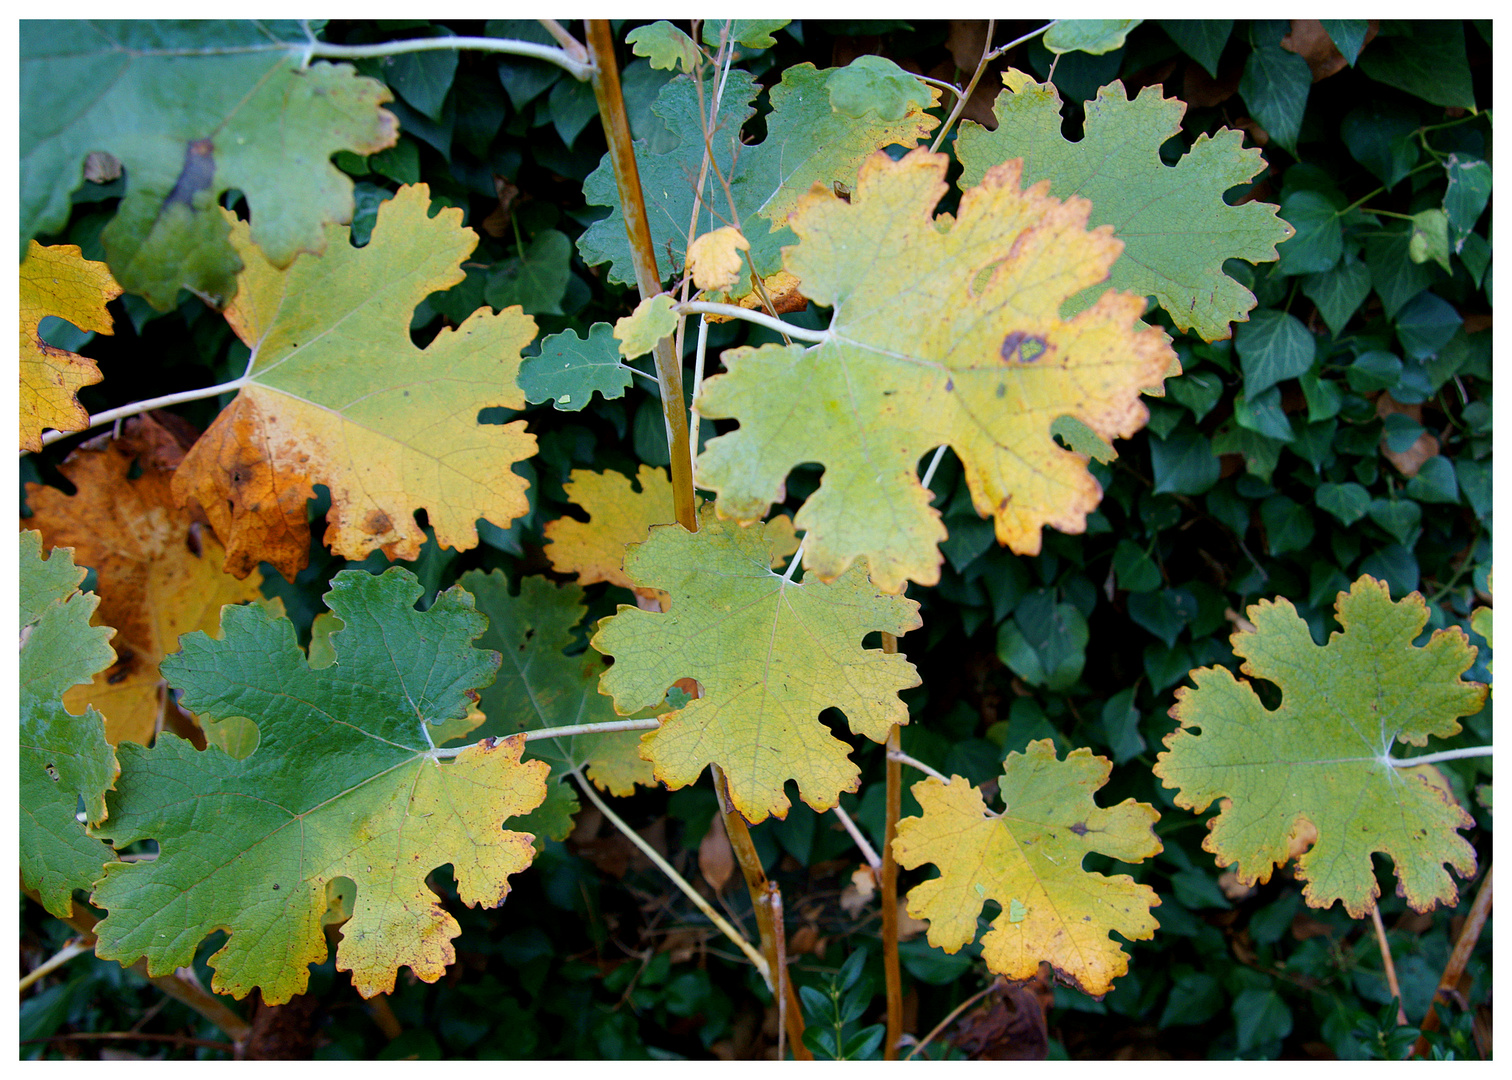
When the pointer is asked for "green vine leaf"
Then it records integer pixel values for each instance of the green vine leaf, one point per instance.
(63, 757)
(770, 654)
(192, 109)
(1319, 760)
(1176, 228)
(570, 368)
(343, 783)
(944, 331)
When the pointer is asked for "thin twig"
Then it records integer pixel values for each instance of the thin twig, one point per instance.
(965, 95)
(1391, 975)
(573, 47)
(1020, 40)
(898, 755)
(868, 852)
(784, 987)
(957, 1011)
(75, 947)
(751, 952)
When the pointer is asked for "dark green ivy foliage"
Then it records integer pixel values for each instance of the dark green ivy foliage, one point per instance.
(1287, 461)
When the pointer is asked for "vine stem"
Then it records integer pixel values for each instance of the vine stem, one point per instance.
(182, 985)
(110, 416)
(868, 852)
(760, 318)
(1442, 755)
(963, 96)
(1391, 975)
(75, 947)
(899, 755)
(888, 886)
(1020, 40)
(605, 728)
(1465, 945)
(720, 922)
(578, 69)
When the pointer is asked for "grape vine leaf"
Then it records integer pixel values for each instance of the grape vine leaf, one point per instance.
(59, 281)
(620, 514)
(1176, 227)
(639, 331)
(664, 45)
(1320, 757)
(875, 84)
(62, 756)
(715, 260)
(570, 368)
(770, 655)
(343, 783)
(192, 109)
(807, 142)
(1095, 36)
(540, 686)
(336, 393)
(159, 571)
(1029, 859)
(944, 331)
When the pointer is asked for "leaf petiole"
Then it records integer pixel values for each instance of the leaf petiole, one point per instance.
(109, 416)
(1442, 755)
(898, 755)
(734, 311)
(578, 69)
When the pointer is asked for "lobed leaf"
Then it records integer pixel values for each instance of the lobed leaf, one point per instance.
(343, 784)
(1320, 760)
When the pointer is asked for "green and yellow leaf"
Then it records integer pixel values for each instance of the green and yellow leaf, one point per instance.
(338, 394)
(344, 783)
(1321, 759)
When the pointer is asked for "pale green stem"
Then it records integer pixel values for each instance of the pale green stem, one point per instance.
(963, 96)
(110, 416)
(734, 311)
(934, 463)
(792, 565)
(898, 755)
(1020, 40)
(1442, 755)
(606, 728)
(578, 69)
(941, 83)
(752, 953)
(74, 948)
(698, 377)
(867, 851)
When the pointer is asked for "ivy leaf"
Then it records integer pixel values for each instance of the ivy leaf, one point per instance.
(944, 331)
(343, 783)
(1466, 196)
(1319, 760)
(62, 756)
(192, 109)
(770, 655)
(807, 142)
(570, 368)
(336, 393)
(1274, 86)
(159, 572)
(536, 277)
(1176, 228)
(59, 281)
(539, 686)
(1028, 858)
(620, 514)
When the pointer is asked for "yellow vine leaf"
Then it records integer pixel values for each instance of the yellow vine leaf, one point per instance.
(59, 281)
(945, 330)
(770, 654)
(338, 394)
(159, 572)
(1028, 858)
(714, 258)
(620, 514)
(639, 331)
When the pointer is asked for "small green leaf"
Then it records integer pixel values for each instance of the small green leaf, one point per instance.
(1319, 240)
(569, 369)
(1396, 278)
(1272, 346)
(652, 320)
(1274, 86)
(1427, 60)
(1348, 501)
(1348, 36)
(1262, 413)
(752, 33)
(1426, 324)
(1083, 439)
(1288, 526)
(1468, 192)
(1201, 39)
(1400, 517)
(1338, 292)
(535, 278)
(664, 45)
(1381, 136)
(1185, 463)
(1430, 238)
(874, 84)
(1434, 482)
(1095, 36)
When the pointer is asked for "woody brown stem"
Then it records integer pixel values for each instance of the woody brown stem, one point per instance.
(889, 888)
(1463, 947)
(611, 103)
(1391, 975)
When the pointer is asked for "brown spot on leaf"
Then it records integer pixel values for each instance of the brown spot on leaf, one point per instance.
(1023, 347)
(195, 176)
(1080, 828)
(377, 523)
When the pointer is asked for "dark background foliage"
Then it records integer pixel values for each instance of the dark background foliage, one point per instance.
(1370, 455)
